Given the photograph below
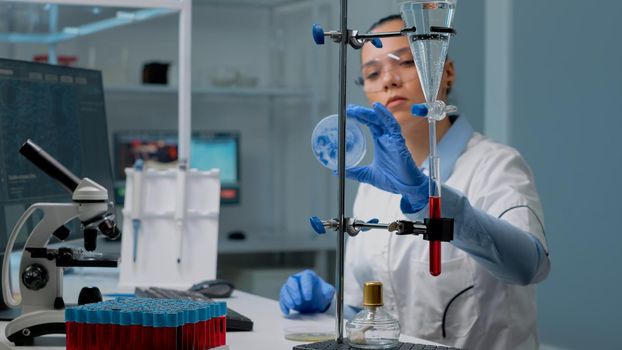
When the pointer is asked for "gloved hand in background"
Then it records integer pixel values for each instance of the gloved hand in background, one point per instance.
(393, 168)
(305, 292)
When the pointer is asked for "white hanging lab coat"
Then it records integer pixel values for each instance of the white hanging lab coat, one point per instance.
(472, 307)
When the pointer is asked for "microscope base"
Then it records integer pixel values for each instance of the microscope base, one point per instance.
(333, 345)
(25, 328)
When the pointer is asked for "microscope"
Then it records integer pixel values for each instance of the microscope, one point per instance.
(41, 268)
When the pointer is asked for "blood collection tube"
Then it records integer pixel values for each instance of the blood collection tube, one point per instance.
(91, 326)
(159, 331)
(208, 327)
(115, 329)
(147, 331)
(223, 323)
(125, 331)
(104, 338)
(70, 329)
(136, 340)
(186, 331)
(174, 330)
(201, 328)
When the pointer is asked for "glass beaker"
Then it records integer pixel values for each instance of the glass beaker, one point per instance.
(325, 142)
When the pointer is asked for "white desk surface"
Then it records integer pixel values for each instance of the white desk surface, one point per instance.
(268, 328)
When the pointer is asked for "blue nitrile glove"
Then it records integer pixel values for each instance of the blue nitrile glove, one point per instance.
(306, 293)
(393, 168)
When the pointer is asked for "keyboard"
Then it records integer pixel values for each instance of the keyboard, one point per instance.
(236, 322)
(333, 345)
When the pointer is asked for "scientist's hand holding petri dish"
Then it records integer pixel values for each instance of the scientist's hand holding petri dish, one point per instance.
(392, 168)
(325, 142)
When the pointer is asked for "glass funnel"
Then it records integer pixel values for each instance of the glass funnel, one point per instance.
(429, 43)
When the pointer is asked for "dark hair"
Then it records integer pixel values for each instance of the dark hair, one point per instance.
(384, 20)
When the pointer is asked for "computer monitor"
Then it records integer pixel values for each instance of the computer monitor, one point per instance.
(208, 150)
(62, 110)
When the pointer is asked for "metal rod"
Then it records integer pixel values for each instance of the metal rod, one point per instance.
(385, 34)
(343, 51)
(385, 226)
(368, 225)
(378, 35)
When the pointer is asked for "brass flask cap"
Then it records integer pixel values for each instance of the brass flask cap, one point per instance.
(372, 294)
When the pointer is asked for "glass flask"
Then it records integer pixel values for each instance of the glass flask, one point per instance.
(373, 327)
(325, 142)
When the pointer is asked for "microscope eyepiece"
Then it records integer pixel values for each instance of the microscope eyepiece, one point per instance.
(49, 165)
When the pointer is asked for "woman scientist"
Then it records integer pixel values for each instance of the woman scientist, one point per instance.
(485, 297)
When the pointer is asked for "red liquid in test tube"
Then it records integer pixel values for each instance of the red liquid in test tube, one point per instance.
(200, 336)
(159, 338)
(210, 333)
(435, 246)
(205, 337)
(115, 336)
(124, 337)
(175, 334)
(223, 330)
(135, 340)
(147, 334)
(186, 334)
(102, 337)
(92, 334)
(70, 328)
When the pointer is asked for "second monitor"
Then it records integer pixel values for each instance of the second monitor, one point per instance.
(158, 149)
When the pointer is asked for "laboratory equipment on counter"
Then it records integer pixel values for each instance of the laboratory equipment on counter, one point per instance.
(165, 232)
(41, 269)
(429, 45)
(434, 21)
(372, 327)
(325, 142)
(146, 323)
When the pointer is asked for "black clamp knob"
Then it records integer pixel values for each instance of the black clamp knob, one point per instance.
(35, 277)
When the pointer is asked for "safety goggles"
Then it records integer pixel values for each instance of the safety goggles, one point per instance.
(397, 65)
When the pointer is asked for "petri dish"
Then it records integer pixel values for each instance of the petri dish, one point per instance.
(308, 334)
(325, 142)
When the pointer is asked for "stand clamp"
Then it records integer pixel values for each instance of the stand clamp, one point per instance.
(431, 229)
(353, 37)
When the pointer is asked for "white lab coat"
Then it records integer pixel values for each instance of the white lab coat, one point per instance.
(492, 314)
